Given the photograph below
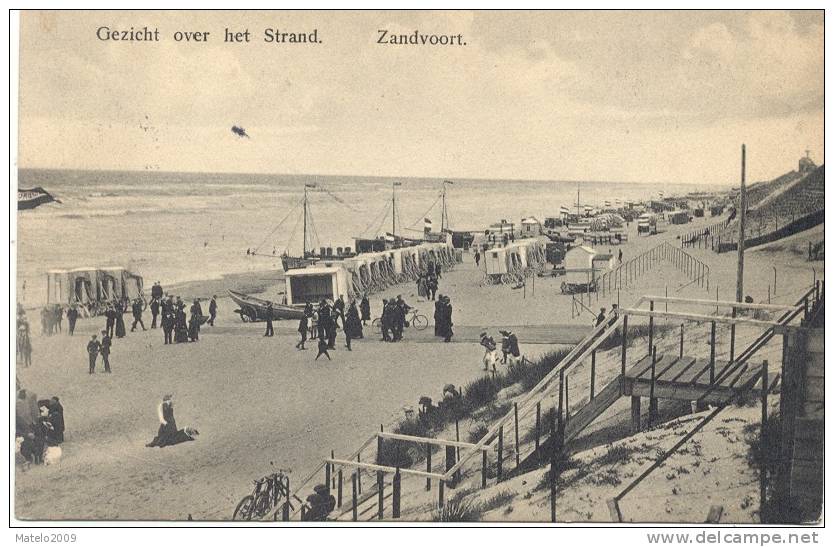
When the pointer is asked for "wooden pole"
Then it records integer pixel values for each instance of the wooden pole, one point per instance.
(538, 425)
(457, 438)
(554, 450)
(652, 399)
(483, 469)
(500, 453)
(353, 481)
(380, 487)
(395, 502)
(651, 327)
(339, 488)
(440, 487)
(428, 466)
(741, 226)
(712, 353)
(567, 402)
(359, 473)
(680, 354)
(733, 336)
(515, 429)
(379, 446)
(763, 446)
(625, 345)
(327, 476)
(593, 371)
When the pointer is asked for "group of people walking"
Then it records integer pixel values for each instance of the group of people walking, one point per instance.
(393, 318)
(427, 282)
(324, 322)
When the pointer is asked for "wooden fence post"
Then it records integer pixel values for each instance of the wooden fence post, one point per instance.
(395, 502)
(327, 477)
(593, 371)
(359, 472)
(483, 468)
(332, 474)
(733, 336)
(652, 399)
(428, 466)
(354, 481)
(500, 452)
(553, 451)
(517, 457)
(651, 327)
(440, 487)
(764, 447)
(538, 425)
(712, 353)
(339, 489)
(681, 350)
(567, 402)
(614, 510)
(380, 486)
(623, 356)
(379, 446)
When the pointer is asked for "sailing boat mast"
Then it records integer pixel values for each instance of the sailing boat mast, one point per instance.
(578, 212)
(304, 241)
(444, 218)
(394, 209)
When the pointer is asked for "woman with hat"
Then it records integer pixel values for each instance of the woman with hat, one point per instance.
(167, 423)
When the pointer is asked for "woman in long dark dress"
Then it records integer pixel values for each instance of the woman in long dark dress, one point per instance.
(353, 324)
(180, 326)
(167, 423)
(365, 308)
(120, 321)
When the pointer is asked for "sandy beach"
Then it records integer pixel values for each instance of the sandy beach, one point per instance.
(260, 405)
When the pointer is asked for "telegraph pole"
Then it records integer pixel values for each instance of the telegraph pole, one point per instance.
(742, 218)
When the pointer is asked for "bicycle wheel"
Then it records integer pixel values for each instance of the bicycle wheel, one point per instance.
(377, 325)
(420, 322)
(262, 504)
(243, 511)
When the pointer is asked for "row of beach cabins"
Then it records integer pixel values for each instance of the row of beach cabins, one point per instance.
(91, 288)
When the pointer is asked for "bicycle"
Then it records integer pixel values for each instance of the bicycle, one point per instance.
(412, 318)
(266, 495)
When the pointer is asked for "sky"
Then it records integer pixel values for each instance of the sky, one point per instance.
(607, 96)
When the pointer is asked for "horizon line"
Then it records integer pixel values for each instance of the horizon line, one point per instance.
(195, 172)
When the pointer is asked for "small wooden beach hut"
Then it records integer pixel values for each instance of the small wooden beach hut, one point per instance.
(315, 283)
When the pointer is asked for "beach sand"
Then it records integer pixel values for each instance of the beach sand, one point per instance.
(261, 405)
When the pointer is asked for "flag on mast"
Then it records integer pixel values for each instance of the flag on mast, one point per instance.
(427, 224)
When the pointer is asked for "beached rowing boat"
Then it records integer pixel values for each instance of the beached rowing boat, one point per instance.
(254, 309)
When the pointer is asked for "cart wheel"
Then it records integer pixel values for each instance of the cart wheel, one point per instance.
(263, 504)
(420, 322)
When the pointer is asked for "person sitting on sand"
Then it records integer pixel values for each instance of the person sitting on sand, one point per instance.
(168, 433)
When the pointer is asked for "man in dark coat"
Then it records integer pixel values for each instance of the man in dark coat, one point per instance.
(324, 319)
(121, 308)
(136, 308)
(93, 349)
(110, 324)
(212, 310)
(385, 321)
(156, 291)
(302, 329)
(106, 342)
(600, 317)
(447, 319)
(365, 309)
(432, 286)
(268, 312)
(168, 326)
(438, 316)
(72, 317)
(509, 345)
(154, 311)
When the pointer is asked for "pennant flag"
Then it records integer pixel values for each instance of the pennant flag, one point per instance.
(607, 203)
(564, 210)
(31, 198)
(427, 223)
(310, 185)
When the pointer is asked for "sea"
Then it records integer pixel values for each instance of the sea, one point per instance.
(181, 227)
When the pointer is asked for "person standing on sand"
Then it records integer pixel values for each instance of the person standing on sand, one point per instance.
(422, 286)
(106, 343)
(302, 330)
(59, 317)
(93, 348)
(72, 317)
(322, 349)
(154, 311)
(432, 286)
(438, 315)
(121, 308)
(620, 256)
(477, 258)
(385, 321)
(365, 309)
(447, 320)
(339, 311)
(136, 308)
(212, 310)
(269, 331)
(110, 316)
